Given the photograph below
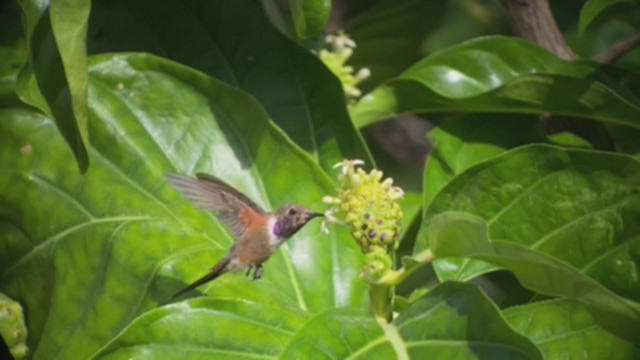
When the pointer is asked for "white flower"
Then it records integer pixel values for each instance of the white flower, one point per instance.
(363, 74)
(330, 200)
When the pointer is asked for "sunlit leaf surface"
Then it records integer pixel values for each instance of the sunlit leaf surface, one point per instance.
(458, 234)
(86, 255)
(503, 75)
(233, 41)
(564, 329)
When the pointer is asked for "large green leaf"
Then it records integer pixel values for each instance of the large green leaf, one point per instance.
(614, 24)
(86, 255)
(464, 20)
(564, 329)
(580, 206)
(389, 35)
(55, 79)
(411, 208)
(499, 74)
(455, 320)
(298, 19)
(625, 139)
(13, 52)
(12, 42)
(457, 234)
(594, 9)
(233, 41)
(209, 329)
(463, 141)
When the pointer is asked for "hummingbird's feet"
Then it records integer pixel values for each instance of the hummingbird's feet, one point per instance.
(258, 271)
(257, 274)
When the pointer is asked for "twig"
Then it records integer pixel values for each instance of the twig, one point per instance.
(533, 20)
(617, 50)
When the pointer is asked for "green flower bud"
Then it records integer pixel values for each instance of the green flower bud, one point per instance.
(377, 263)
(12, 327)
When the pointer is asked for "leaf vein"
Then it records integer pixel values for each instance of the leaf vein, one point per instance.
(52, 239)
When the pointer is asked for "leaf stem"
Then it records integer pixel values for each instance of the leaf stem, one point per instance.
(381, 291)
(381, 296)
(395, 277)
(381, 302)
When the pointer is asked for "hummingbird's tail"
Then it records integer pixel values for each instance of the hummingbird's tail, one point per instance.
(219, 269)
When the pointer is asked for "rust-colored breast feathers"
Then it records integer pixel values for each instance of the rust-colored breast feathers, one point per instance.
(253, 246)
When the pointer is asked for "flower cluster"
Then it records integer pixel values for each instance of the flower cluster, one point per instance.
(369, 207)
(341, 49)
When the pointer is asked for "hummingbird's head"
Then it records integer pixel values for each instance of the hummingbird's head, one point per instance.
(291, 218)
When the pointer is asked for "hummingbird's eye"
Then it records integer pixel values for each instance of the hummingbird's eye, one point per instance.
(292, 212)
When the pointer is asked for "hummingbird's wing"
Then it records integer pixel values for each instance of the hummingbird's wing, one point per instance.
(212, 194)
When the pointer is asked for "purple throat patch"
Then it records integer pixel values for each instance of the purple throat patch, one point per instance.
(277, 229)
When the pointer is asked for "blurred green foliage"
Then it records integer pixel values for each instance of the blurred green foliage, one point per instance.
(99, 99)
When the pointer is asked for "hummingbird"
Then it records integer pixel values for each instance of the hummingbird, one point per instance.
(258, 233)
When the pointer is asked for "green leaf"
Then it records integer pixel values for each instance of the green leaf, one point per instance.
(13, 52)
(625, 139)
(209, 329)
(233, 41)
(569, 139)
(464, 20)
(55, 79)
(411, 208)
(8, 97)
(454, 320)
(564, 329)
(457, 234)
(594, 9)
(577, 205)
(501, 75)
(389, 35)
(12, 42)
(86, 255)
(299, 19)
(463, 141)
(340, 334)
(618, 23)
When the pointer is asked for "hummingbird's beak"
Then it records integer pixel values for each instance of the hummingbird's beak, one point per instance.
(314, 215)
